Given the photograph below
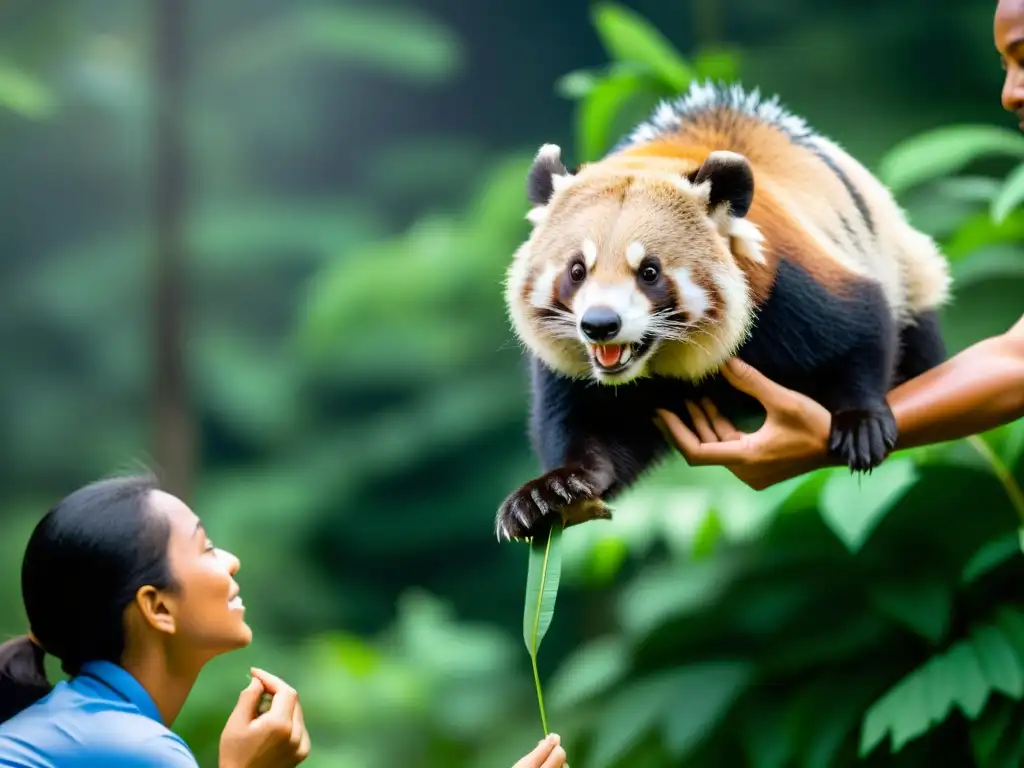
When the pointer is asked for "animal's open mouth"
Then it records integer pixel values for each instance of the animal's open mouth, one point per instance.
(613, 358)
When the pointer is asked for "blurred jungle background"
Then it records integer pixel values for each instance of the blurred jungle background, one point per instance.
(260, 246)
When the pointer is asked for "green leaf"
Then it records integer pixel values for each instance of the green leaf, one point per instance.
(991, 555)
(589, 671)
(629, 715)
(24, 94)
(717, 63)
(1010, 194)
(924, 606)
(980, 230)
(544, 571)
(599, 112)
(963, 676)
(943, 151)
(1001, 665)
(852, 505)
(699, 699)
(628, 36)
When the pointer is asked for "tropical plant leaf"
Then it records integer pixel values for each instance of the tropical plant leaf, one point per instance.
(628, 36)
(1010, 195)
(991, 555)
(700, 697)
(544, 571)
(964, 676)
(923, 606)
(852, 506)
(943, 151)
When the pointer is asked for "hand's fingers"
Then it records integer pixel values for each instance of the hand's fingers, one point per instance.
(248, 700)
(300, 736)
(540, 753)
(697, 453)
(746, 378)
(724, 429)
(700, 423)
(556, 759)
(282, 708)
(688, 443)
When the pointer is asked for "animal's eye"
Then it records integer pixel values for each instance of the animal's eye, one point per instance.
(650, 273)
(577, 271)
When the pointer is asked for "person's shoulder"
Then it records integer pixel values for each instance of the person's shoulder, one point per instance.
(91, 737)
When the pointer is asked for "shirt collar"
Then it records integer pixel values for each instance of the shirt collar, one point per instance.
(122, 683)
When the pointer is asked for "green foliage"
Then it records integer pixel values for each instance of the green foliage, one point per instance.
(542, 578)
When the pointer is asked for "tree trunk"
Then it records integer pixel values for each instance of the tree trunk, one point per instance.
(173, 427)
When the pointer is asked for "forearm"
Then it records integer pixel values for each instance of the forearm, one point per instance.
(978, 389)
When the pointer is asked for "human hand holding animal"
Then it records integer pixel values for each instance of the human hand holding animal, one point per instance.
(792, 441)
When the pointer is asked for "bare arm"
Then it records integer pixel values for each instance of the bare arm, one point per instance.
(978, 389)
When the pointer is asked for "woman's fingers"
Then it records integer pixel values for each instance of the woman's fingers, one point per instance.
(724, 429)
(696, 452)
(700, 423)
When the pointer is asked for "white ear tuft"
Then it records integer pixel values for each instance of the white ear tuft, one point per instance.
(537, 214)
(749, 239)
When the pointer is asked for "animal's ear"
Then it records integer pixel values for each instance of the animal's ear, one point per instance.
(730, 181)
(547, 171)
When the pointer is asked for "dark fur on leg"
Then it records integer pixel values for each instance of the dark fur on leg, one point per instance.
(592, 441)
(921, 347)
(838, 348)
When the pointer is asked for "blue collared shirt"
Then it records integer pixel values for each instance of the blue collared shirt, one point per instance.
(101, 717)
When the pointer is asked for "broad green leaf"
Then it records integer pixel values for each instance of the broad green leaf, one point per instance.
(24, 94)
(717, 63)
(989, 734)
(545, 566)
(1010, 194)
(963, 676)
(943, 151)
(994, 263)
(1002, 667)
(589, 671)
(924, 606)
(980, 230)
(598, 113)
(852, 506)
(700, 697)
(627, 36)
(991, 555)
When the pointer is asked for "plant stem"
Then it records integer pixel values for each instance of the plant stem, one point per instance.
(1002, 473)
(540, 696)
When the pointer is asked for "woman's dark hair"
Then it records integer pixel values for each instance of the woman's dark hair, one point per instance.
(84, 563)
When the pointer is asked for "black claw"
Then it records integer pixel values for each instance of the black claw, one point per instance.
(862, 438)
(541, 497)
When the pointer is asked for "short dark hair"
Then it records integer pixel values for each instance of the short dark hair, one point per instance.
(84, 563)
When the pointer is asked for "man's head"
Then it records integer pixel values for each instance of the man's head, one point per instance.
(1008, 31)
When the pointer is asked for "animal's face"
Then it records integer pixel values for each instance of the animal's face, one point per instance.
(626, 264)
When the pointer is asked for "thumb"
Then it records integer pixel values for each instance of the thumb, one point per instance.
(748, 379)
(248, 700)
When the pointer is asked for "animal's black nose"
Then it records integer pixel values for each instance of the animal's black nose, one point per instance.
(600, 323)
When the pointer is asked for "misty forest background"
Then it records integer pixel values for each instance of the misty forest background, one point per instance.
(260, 245)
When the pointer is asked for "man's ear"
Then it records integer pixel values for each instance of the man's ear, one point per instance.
(730, 183)
(155, 609)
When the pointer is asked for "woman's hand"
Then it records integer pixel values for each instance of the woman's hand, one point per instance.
(277, 739)
(792, 441)
(547, 754)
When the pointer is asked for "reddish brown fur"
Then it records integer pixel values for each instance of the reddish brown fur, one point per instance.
(761, 144)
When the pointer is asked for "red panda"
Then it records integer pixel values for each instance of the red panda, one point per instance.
(722, 226)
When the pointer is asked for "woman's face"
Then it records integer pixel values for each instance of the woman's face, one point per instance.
(1008, 31)
(208, 615)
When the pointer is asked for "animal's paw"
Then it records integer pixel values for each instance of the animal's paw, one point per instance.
(573, 493)
(862, 438)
